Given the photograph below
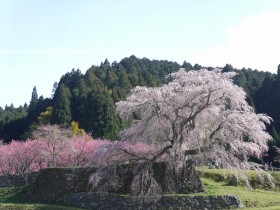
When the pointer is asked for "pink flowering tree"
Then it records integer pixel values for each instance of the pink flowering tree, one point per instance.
(6, 160)
(199, 115)
(54, 146)
(19, 158)
(54, 141)
(80, 151)
(59, 147)
(109, 153)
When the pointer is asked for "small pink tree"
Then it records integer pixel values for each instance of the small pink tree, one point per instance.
(6, 160)
(60, 148)
(81, 150)
(55, 141)
(25, 155)
(19, 158)
(55, 148)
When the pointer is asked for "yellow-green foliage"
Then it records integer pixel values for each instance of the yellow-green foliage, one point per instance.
(45, 117)
(216, 182)
(76, 130)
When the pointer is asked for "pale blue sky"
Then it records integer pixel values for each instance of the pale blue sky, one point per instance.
(40, 40)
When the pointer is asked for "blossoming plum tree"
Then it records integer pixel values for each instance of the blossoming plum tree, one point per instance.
(198, 115)
(54, 147)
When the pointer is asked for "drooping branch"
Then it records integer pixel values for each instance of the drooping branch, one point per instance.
(163, 151)
(199, 112)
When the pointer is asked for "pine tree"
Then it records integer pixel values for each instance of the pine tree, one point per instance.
(101, 115)
(78, 103)
(91, 79)
(276, 138)
(34, 99)
(111, 79)
(61, 109)
(187, 66)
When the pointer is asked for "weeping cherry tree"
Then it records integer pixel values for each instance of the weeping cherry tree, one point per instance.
(199, 115)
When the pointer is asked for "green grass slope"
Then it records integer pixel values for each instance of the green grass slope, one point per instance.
(13, 199)
(217, 182)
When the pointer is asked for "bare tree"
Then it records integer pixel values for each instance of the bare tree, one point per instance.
(56, 139)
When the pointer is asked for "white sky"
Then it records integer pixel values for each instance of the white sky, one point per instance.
(42, 40)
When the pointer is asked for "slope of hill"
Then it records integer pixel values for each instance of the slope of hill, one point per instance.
(89, 98)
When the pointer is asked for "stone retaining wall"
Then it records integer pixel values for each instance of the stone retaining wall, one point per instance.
(53, 183)
(69, 186)
(17, 180)
(93, 201)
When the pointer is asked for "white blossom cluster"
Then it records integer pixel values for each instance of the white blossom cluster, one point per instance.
(199, 113)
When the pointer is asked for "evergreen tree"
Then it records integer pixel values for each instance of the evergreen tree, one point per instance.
(124, 84)
(55, 85)
(91, 79)
(197, 67)
(34, 99)
(101, 115)
(228, 68)
(187, 66)
(78, 103)
(61, 110)
(276, 138)
(111, 79)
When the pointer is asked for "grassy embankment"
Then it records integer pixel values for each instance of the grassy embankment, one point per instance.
(215, 181)
(13, 199)
(218, 182)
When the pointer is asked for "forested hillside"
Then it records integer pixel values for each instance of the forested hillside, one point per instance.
(89, 98)
(85, 98)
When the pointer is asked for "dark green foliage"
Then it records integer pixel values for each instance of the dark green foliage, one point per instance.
(93, 95)
(250, 80)
(12, 121)
(29, 123)
(79, 99)
(61, 109)
(34, 99)
(101, 116)
(91, 78)
(276, 138)
(89, 98)
(197, 67)
(18, 123)
(187, 66)
(228, 68)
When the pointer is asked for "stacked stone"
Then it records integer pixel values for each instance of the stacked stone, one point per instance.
(94, 201)
(17, 180)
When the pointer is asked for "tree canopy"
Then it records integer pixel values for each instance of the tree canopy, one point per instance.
(199, 115)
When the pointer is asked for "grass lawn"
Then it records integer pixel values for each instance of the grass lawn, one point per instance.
(13, 206)
(13, 199)
(216, 182)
